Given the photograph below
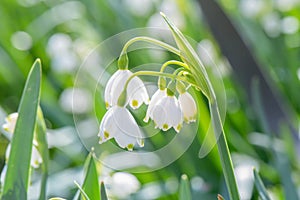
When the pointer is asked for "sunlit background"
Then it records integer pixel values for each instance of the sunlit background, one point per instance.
(62, 33)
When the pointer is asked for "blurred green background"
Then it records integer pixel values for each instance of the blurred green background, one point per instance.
(62, 33)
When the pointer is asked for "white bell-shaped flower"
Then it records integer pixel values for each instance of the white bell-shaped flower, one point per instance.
(136, 90)
(10, 122)
(118, 123)
(166, 113)
(188, 107)
(158, 95)
(36, 158)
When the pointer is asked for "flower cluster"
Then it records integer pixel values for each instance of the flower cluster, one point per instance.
(165, 109)
(9, 126)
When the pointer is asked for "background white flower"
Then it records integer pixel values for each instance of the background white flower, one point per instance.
(121, 185)
(118, 123)
(10, 122)
(9, 126)
(36, 158)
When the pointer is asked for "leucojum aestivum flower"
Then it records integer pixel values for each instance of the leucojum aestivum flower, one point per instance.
(165, 108)
(9, 127)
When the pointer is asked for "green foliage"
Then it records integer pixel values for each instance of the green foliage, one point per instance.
(91, 182)
(184, 189)
(17, 176)
(260, 186)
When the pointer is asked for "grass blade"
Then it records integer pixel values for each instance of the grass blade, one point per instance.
(185, 190)
(41, 138)
(260, 186)
(103, 192)
(16, 184)
(84, 195)
(91, 184)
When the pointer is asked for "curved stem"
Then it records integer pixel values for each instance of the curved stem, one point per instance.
(152, 41)
(174, 62)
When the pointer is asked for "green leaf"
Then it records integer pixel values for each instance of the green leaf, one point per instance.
(260, 186)
(42, 147)
(82, 192)
(103, 192)
(185, 190)
(190, 57)
(91, 184)
(17, 177)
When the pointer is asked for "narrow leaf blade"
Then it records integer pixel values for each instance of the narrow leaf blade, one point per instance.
(185, 190)
(41, 138)
(16, 184)
(103, 192)
(91, 184)
(260, 186)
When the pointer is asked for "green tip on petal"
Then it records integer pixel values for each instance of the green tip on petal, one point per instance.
(106, 104)
(106, 134)
(134, 103)
(178, 127)
(130, 147)
(165, 126)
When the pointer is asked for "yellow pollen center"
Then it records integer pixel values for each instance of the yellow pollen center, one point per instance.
(106, 104)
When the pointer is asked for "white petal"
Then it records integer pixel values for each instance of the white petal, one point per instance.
(36, 158)
(175, 117)
(118, 85)
(121, 125)
(127, 126)
(159, 115)
(159, 94)
(167, 113)
(107, 92)
(7, 152)
(137, 93)
(107, 127)
(3, 174)
(189, 107)
(10, 122)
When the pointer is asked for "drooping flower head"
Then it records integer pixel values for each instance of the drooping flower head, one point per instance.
(118, 123)
(166, 112)
(136, 90)
(187, 103)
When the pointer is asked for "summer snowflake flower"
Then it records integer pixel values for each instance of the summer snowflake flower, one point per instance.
(188, 107)
(136, 90)
(158, 95)
(166, 113)
(36, 158)
(9, 126)
(10, 122)
(118, 123)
